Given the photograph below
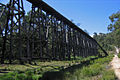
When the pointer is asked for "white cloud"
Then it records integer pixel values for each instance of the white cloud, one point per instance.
(91, 35)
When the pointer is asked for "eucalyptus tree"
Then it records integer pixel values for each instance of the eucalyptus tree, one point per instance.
(115, 27)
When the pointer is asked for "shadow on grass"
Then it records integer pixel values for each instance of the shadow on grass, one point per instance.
(60, 75)
(3, 72)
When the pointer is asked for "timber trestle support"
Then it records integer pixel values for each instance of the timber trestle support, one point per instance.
(41, 34)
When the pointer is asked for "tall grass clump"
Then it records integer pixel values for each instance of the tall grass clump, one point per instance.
(108, 75)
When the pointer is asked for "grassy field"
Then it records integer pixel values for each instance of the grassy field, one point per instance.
(80, 69)
(98, 69)
(7, 70)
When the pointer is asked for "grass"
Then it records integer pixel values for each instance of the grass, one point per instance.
(92, 70)
(60, 70)
(40, 65)
(119, 55)
(97, 70)
(108, 75)
(35, 72)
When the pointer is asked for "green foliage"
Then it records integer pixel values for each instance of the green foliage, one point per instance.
(29, 74)
(35, 72)
(109, 40)
(92, 70)
(13, 76)
(105, 40)
(20, 77)
(104, 60)
(9, 76)
(51, 71)
(36, 77)
(115, 27)
(119, 55)
(108, 75)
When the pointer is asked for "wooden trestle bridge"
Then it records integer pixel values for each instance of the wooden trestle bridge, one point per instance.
(42, 34)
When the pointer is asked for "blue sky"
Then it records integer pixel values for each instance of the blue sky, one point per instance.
(93, 15)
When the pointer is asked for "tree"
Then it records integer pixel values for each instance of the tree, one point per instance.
(115, 27)
(109, 40)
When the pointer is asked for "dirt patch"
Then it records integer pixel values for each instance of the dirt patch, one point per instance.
(115, 63)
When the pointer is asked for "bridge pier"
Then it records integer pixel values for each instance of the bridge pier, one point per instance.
(42, 34)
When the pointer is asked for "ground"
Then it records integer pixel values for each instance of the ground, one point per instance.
(115, 63)
(91, 68)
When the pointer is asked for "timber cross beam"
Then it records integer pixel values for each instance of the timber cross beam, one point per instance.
(42, 34)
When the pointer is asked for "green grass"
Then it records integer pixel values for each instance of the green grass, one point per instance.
(97, 70)
(57, 70)
(40, 65)
(119, 55)
(35, 72)
(92, 70)
(108, 75)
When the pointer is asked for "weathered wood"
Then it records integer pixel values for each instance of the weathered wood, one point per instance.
(11, 34)
(48, 35)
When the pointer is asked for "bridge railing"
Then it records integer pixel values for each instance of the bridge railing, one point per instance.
(43, 34)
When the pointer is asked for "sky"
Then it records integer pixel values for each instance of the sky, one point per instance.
(93, 15)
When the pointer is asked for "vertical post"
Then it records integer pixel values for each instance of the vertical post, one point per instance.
(5, 37)
(20, 5)
(47, 33)
(14, 17)
(69, 43)
(40, 29)
(11, 33)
